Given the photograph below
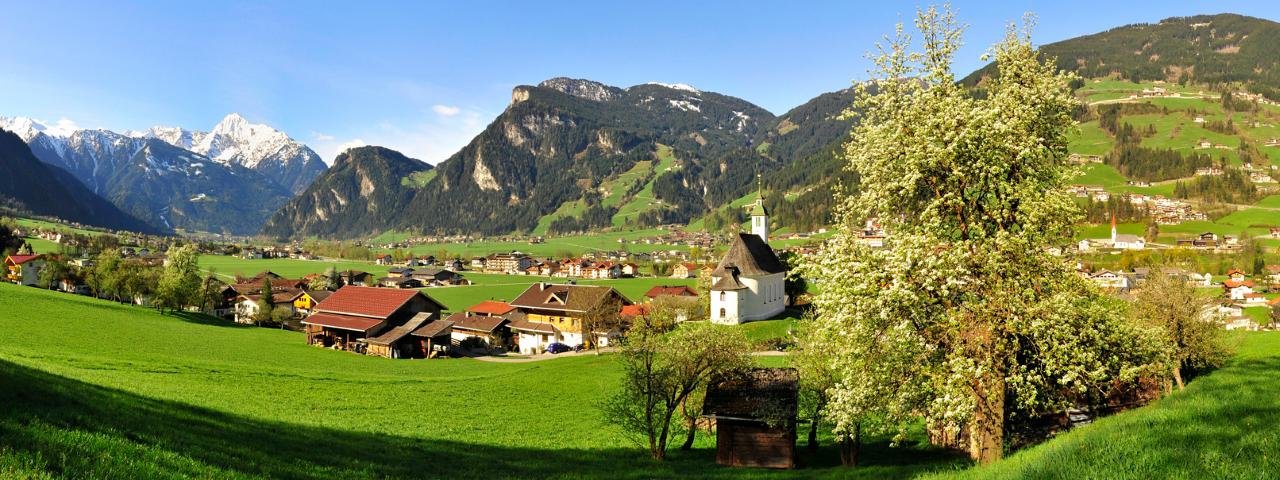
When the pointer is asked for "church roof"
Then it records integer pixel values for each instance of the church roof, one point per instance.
(758, 209)
(748, 256)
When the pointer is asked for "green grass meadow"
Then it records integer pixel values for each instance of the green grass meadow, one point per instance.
(94, 389)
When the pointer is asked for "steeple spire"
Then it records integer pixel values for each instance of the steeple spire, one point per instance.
(760, 216)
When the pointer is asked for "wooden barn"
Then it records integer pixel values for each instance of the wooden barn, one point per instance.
(755, 417)
(354, 318)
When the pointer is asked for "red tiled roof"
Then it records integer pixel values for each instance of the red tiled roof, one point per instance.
(21, 259)
(1234, 284)
(491, 307)
(677, 290)
(366, 301)
(635, 310)
(345, 322)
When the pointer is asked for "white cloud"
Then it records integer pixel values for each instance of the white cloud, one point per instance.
(320, 137)
(63, 127)
(431, 138)
(446, 110)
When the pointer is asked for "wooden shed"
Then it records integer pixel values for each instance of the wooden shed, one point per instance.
(755, 417)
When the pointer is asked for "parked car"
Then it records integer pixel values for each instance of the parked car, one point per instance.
(558, 348)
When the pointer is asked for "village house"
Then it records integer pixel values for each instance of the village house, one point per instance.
(454, 265)
(1109, 279)
(1238, 290)
(1273, 274)
(554, 313)
(399, 282)
(684, 270)
(1236, 275)
(435, 277)
(356, 278)
(383, 259)
(352, 315)
(306, 302)
(247, 308)
(755, 417)
(1275, 232)
(23, 269)
(748, 284)
(493, 330)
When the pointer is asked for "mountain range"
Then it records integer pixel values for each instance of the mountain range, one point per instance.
(227, 180)
(573, 154)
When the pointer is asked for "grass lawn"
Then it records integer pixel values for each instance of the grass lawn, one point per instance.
(99, 390)
(554, 246)
(1222, 426)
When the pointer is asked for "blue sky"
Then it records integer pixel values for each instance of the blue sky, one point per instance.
(424, 77)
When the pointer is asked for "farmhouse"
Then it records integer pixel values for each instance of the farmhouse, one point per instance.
(353, 314)
(1109, 279)
(554, 313)
(23, 269)
(439, 276)
(490, 329)
(755, 417)
(748, 283)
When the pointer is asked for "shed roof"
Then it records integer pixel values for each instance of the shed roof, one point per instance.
(21, 259)
(476, 323)
(753, 394)
(433, 329)
(343, 322)
(394, 335)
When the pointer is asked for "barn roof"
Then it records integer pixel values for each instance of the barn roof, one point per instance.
(368, 301)
(753, 394)
(433, 329)
(394, 335)
(342, 322)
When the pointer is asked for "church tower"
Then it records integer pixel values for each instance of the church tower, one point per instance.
(759, 215)
(1113, 228)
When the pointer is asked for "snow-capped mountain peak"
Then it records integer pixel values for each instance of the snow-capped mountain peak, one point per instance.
(27, 128)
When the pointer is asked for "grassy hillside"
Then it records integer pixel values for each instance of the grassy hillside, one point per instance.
(99, 390)
(1222, 426)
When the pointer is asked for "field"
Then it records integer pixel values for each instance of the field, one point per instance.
(486, 286)
(117, 391)
(100, 390)
(553, 246)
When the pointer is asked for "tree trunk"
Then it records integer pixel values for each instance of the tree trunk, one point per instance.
(1177, 376)
(986, 432)
(851, 447)
(813, 434)
(693, 432)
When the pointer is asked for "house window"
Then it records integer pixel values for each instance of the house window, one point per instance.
(722, 298)
(721, 313)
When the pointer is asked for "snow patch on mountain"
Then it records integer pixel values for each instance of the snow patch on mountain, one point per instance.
(677, 86)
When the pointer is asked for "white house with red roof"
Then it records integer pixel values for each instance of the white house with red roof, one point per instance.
(388, 322)
(23, 269)
(1238, 290)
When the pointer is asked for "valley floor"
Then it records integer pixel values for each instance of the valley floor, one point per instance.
(92, 389)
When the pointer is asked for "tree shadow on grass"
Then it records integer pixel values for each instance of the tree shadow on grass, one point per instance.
(69, 428)
(204, 319)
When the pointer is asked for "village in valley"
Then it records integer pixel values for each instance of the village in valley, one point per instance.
(923, 275)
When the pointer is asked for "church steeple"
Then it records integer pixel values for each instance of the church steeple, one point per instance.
(759, 215)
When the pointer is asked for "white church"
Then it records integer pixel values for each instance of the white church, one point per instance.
(748, 283)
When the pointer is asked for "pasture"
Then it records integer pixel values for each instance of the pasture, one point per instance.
(101, 390)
